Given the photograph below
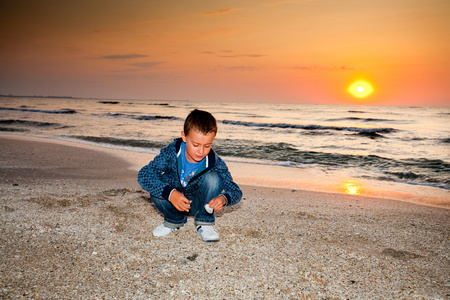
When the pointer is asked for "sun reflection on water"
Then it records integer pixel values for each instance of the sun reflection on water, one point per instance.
(352, 187)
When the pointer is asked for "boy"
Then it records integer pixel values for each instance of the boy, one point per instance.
(186, 175)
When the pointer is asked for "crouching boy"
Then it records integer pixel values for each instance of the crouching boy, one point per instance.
(188, 175)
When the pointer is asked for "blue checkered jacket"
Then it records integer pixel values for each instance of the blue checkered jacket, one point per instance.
(161, 175)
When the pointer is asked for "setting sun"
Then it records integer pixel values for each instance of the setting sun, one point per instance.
(360, 89)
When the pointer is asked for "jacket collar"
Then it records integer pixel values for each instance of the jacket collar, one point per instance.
(210, 158)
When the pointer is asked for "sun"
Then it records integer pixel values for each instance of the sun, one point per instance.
(360, 89)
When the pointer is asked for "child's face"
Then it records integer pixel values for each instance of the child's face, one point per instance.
(198, 144)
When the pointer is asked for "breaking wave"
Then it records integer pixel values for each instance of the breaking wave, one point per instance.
(310, 127)
(62, 111)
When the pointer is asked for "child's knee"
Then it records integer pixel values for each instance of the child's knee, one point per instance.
(212, 181)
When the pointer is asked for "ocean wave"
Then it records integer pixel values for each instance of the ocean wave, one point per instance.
(286, 153)
(420, 171)
(108, 102)
(8, 129)
(310, 127)
(151, 118)
(411, 171)
(371, 135)
(405, 175)
(421, 183)
(62, 111)
(357, 112)
(121, 142)
(27, 123)
(161, 104)
(142, 118)
(364, 120)
(112, 115)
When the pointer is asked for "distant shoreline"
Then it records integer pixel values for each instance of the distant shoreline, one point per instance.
(200, 101)
(91, 98)
(56, 97)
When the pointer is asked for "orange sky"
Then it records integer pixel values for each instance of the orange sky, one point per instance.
(304, 51)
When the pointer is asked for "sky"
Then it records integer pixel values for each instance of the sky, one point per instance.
(285, 51)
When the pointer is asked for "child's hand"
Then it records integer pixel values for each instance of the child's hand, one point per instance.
(179, 201)
(217, 203)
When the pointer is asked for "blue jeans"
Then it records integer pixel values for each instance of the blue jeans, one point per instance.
(210, 187)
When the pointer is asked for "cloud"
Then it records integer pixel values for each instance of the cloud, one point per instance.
(219, 12)
(232, 55)
(123, 56)
(243, 55)
(323, 68)
(213, 52)
(148, 64)
(243, 69)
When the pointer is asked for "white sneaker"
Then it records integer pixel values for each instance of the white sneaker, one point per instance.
(208, 233)
(162, 230)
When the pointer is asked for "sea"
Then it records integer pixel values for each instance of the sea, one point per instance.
(401, 144)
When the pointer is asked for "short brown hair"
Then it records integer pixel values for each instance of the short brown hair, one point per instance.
(200, 120)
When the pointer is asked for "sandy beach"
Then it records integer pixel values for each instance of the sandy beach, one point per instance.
(75, 224)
